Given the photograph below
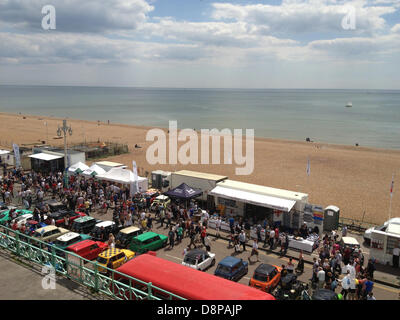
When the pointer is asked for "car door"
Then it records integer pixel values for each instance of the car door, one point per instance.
(94, 251)
(205, 262)
(154, 243)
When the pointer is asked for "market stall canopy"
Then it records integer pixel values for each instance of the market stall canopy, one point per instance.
(2, 152)
(183, 191)
(78, 167)
(93, 170)
(253, 198)
(120, 175)
(45, 156)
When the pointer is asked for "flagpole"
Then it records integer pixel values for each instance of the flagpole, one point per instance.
(391, 195)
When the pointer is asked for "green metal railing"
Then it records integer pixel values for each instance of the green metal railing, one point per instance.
(80, 270)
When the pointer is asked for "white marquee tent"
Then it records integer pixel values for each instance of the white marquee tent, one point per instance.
(93, 170)
(78, 167)
(126, 177)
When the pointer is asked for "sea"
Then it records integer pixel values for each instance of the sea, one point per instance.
(290, 114)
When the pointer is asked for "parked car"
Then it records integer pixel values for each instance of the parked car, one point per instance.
(290, 288)
(32, 225)
(102, 230)
(84, 224)
(199, 259)
(55, 205)
(22, 219)
(148, 241)
(266, 277)
(160, 200)
(88, 249)
(64, 241)
(113, 258)
(124, 236)
(49, 233)
(367, 233)
(232, 268)
(59, 215)
(5, 216)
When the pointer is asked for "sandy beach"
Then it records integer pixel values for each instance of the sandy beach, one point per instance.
(356, 179)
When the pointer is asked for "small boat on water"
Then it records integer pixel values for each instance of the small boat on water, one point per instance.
(349, 105)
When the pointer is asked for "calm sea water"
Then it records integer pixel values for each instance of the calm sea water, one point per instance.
(374, 119)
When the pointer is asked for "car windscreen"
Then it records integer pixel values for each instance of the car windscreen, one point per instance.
(122, 236)
(101, 260)
(223, 269)
(260, 277)
(190, 260)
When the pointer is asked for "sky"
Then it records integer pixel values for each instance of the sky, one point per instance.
(334, 44)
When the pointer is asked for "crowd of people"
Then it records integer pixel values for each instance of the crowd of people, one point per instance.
(86, 195)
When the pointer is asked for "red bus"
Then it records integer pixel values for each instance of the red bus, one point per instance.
(186, 282)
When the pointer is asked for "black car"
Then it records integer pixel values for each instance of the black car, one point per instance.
(102, 230)
(55, 205)
(84, 224)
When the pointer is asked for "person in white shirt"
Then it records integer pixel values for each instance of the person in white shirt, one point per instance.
(396, 254)
(254, 250)
(218, 226)
(345, 282)
(321, 277)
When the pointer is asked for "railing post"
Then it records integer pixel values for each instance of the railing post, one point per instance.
(53, 257)
(17, 247)
(96, 277)
(149, 290)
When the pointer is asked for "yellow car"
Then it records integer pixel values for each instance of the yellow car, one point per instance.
(113, 258)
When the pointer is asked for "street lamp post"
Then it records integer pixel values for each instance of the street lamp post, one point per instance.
(64, 130)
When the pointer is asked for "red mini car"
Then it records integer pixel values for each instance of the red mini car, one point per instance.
(88, 249)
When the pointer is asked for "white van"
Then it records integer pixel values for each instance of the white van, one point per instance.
(367, 233)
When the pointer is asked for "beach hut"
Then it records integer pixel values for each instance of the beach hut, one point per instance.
(93, 171)
(78, 167)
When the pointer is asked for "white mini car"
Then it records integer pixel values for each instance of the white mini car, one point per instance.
(21, 220)
(199, 259)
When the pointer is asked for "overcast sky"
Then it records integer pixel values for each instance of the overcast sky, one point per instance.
(202, 43)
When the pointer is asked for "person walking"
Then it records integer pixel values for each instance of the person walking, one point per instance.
(271, 239)
(254, 250)
(207, 243)
(171, 237)
(242, 239)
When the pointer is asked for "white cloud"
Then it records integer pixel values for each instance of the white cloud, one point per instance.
(76, 15)
(314, 16)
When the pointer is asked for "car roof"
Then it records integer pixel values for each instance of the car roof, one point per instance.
(350, 241)
(68, 236)
(84, 219)
(110, 252)
(195, 252)
(129, 229)
(147, 235)
(265, 268)
(394, 221)
(47, 228)
(229, 261)
(105, 224)
(81, 244)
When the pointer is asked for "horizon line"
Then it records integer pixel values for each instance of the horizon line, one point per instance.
(191, 88)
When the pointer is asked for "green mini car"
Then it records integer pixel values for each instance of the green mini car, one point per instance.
(5, 215)
(148, 241)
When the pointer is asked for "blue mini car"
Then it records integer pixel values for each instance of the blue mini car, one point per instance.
(232, 268)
